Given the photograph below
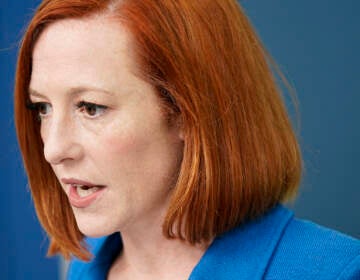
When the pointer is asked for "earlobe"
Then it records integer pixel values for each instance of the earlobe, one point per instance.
(181, 134)
(179, 127)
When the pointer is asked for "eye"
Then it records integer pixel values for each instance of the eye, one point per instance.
(41, 108)
(91, 109)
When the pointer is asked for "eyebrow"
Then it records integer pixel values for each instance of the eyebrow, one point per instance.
(72, 91)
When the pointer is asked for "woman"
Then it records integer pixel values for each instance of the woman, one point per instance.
(157, 128)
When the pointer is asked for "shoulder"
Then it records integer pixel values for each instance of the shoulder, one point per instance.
(104, 250)
(279, 246)
(307, 250)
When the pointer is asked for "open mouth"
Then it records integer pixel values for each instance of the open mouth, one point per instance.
(84, 191)
(82, 196)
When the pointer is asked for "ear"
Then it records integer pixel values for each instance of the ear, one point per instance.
(179, 127)
(181, 134)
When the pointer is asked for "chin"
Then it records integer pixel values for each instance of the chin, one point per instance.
(94, 231)
(92, 226)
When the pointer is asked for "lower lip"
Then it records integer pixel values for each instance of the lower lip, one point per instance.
(82, 202)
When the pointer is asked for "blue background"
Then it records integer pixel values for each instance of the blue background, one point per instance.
(316, 43)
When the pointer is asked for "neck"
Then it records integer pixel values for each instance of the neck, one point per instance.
(148, 254)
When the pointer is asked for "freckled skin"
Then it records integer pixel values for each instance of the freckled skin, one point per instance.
(129, 147)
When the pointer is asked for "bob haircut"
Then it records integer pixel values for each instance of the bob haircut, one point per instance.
(209, 68)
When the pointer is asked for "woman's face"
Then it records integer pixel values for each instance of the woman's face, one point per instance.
(104, 133)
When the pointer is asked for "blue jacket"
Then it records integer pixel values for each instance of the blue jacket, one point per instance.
(276, 246)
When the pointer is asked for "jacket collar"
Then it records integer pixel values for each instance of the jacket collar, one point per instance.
(244, 252)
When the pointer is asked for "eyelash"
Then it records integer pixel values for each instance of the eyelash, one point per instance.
(36, 107)
(83, 106)
(88, 105)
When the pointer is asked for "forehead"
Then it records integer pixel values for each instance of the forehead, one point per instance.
(73, 49)
(97, 33)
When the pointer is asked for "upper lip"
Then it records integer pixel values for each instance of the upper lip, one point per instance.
(73, 181)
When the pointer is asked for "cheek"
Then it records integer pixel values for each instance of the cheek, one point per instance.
(134, 153)
(123, 147)
(131, 137)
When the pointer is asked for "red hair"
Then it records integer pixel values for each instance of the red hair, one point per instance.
(240, 157)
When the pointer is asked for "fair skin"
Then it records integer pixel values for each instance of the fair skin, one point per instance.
(122, 144)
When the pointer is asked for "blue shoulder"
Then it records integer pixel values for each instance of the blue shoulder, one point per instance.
(79, 269)
(309, 251)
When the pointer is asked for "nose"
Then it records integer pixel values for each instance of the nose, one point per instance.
(60, 144)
